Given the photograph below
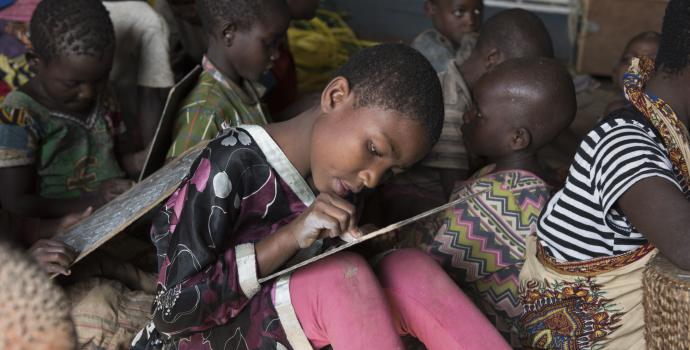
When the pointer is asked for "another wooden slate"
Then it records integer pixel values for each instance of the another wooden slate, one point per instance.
(114, 217)
(162, 140)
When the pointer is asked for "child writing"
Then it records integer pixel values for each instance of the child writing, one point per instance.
(255, 196)
(456, 23)
(509, 34)
(518, 108)
(57, 132)
(625, 200)
(243, 40)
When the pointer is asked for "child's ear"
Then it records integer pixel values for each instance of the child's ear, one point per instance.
(34, 60)
(429, 9)
(521, 139)
(337, 91)
(228, 34)
(493, 58)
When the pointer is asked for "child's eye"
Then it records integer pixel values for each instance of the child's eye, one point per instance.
(477, 12)
(459, 13)
(372, 149)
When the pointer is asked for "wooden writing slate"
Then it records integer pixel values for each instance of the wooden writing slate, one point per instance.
(111, 219)
(162, 140)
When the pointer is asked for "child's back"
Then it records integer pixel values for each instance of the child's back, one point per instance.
(243, 40)
(520, 107)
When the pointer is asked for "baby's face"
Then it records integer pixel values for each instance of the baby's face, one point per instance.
(455, 18)
(638, 48)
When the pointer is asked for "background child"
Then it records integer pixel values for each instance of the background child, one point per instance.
(509, 34)
(456, 23)
(243, 39)
(645, 44)
(35, 312)
(519, 107)
(256, 196)
(625, 199)
(58, 130)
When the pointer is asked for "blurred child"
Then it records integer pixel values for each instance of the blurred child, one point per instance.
(243, 39)
(456, 23)
(58, 130)
(509, 34)
(256, 196)
(519, 107)
(624, 201)
(35, 312)
(645, 44)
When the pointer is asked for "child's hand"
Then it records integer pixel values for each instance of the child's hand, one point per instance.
(50, 228)
(110, 189)
(53, 256)
(328, 216)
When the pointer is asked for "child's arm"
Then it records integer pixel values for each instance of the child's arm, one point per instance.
(18, 195)
(658, 209)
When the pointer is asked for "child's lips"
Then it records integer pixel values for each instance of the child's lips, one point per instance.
(341, 189)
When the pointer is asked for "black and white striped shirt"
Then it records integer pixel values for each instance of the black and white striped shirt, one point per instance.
(581, 221)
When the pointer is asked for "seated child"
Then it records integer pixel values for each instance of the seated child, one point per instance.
(57, 131)
(454, 35)
(257, 195)
(509, 34)
(645, 44)
(519, 107)
(243, 37)
(625, 200)
(35, 312)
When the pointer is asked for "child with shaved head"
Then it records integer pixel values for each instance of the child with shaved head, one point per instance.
(509, 34)
(519, 107)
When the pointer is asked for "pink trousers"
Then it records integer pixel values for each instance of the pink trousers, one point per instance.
(341, 301)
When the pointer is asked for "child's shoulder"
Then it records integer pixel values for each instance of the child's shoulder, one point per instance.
(510, 180)
(18, 108)
(428, 37)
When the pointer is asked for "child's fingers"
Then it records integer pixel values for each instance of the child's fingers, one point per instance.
(51, 269)
(342, 217)
(343, 205)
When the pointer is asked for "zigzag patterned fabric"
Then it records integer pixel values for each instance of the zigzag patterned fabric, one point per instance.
(481, 243)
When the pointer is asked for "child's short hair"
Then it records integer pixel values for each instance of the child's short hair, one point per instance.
(397, 77)
(674, 49)
(35, 312)
(77, 27)
(242, 13)
(518, 33)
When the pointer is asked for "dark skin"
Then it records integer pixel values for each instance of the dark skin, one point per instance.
(455, 18)
(646, 47)
(653, 205)
(340, 150)
(518, 108)
(69, 85)
(186, 10)
(303, 9)
(247, 53)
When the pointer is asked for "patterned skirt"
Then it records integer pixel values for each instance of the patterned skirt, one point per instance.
(594, 304)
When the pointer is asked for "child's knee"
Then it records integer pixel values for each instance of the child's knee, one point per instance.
(344, 268)
(407, 265)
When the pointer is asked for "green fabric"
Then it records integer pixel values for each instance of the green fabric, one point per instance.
(214, 104)
(72, 157)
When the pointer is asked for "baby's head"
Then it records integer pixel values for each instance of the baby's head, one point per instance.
(35, 312)
(73, 45)
(514, 33)
(245, 33)
(520, 106)
(645, 44)
(455, 18)
(381, 114)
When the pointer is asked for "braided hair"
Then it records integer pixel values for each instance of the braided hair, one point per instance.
(674, 49)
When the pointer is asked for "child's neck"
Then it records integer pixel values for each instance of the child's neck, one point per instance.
(294, 139)
(517, 160)
(217, 58)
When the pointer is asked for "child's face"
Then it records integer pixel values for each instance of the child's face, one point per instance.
(487, 128)
(353, 148)
(455, 18)
(253, 50)
(637, 48)
(186, 10)
(303, 9)
(73, 82)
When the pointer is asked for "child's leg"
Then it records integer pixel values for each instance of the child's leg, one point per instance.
(429, 306)
(339, 301)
